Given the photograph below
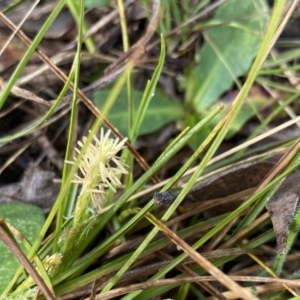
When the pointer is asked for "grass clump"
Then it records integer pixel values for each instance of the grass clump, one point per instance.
(104, 236)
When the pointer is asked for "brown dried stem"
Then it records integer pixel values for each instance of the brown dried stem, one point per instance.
(14, 248)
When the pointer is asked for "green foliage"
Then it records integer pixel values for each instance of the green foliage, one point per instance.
(227, 53)
(96, 3)
(160, 111)
(28, 219)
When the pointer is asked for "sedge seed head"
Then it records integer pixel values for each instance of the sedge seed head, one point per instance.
(100, 166)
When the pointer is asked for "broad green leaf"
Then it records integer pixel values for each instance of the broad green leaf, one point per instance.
(160, 112)
(247, 111)
(28, 219)
(227, 52)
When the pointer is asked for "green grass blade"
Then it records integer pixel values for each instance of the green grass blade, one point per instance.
(16, 74)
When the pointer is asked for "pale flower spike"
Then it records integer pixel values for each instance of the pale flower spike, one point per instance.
(97, 173)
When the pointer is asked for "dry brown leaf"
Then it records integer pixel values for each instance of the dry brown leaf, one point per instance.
(282, 207)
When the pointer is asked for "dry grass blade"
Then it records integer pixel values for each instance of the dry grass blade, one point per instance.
(25, 94)
(234, 240)
(260, 289)
(270, 271)
(202, 262)
(187, 270)
(28, 42)
(283, 162)
(290, 8)
(145, 285)
(19, 26)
